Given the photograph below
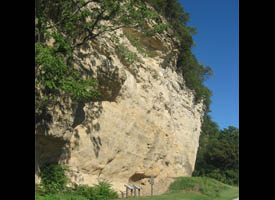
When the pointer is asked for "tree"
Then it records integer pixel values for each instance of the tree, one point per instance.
(61, 26)
(218, 153)
(193, 72)
(209, 131)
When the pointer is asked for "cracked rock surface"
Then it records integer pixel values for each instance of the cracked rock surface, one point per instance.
(145, 124)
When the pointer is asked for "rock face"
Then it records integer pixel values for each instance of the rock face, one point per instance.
(145, 124)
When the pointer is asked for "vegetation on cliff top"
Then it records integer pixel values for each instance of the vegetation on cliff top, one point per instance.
(70, 24)
(193, 72)
(62, 26)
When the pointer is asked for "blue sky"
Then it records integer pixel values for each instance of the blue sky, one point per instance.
(217, 46)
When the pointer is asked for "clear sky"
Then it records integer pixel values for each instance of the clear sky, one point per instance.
(217, 46)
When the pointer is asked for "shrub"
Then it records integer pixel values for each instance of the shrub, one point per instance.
(101, 191)
(104, 191)
(39, 189)
(86, 191)
(54, 181)
(218, 153)
(126, 56)
(53, 178)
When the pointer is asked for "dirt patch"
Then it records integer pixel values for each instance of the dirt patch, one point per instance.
(151, 44)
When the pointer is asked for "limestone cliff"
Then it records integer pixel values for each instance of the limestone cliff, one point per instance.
(145, 123)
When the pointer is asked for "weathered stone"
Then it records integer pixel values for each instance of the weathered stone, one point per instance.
(146, 124)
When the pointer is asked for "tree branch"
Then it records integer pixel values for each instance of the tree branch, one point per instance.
(90, 31)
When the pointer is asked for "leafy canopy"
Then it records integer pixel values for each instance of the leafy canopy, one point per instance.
(193, 72)
(218, 153)
(62, 26)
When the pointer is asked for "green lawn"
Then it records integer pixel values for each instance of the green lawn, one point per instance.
(184, 188)
(197, 188)
(59, 197)
(225, 195)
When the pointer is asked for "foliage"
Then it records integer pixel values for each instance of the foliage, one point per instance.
(60, 196)
(126, 56)
(53, 178)
(193, 72)
(54, 186)
(85, 190)
(194, 188)
(75, 18)
(54, 77)
(101, 191)
(40, 189)
(218, 153)
(135, 41)
(63, 26)
(203, 185)
(73, 23)
(197, 188)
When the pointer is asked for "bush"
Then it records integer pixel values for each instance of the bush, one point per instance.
(86, 191)
(218, 153)
(39, 189)
(104, 191)
(54, 181)
(101, 191)
(53, 178)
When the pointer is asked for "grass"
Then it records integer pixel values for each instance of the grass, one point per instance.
(60, 196)
(197, 188)
(183, 188)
